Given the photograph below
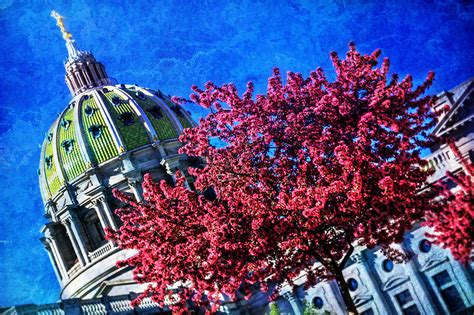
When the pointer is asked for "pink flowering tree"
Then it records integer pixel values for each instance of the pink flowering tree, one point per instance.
(301, 175)
(453, 224)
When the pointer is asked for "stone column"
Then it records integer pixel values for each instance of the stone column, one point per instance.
(93, 72)
(108, 212)
(133, 184)
(370, 282)
(295, 305)
(77, 240)
(416, 279)
(50, 237)
(103, 220)
(172, 165)
(59, 273)
(86, 75)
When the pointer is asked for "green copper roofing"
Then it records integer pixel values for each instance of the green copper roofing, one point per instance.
(52, 178)
(101, 143)
(164, 126)
(134, 135)
(181, 116)
(70, 155)
(94, 131)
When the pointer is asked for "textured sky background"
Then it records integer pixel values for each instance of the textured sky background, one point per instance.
(171, 45)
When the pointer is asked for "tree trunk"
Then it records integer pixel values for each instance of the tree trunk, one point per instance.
(344, 288)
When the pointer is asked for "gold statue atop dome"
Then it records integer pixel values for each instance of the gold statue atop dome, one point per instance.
(60, 22)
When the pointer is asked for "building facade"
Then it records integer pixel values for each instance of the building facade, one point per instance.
(110, 134)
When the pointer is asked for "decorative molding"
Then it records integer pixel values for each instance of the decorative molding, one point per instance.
(394, 281)
(432, 262)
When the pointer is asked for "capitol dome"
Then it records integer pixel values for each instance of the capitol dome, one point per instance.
(107, 137)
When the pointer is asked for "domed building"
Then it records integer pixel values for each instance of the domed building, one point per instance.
(107, 137)
(110, 134)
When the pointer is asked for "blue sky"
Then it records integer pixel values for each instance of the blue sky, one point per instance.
(171, 45)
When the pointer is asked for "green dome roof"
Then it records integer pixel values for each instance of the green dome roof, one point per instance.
(102, 123)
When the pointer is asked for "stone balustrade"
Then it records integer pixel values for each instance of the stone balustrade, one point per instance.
(100, 251)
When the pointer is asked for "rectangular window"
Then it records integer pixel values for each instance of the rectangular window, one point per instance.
(407, 304)
(442, 278)
(404, 297)
(411, 310)
(368, 311)
(448, 291)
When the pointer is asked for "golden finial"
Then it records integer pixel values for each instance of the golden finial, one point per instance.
(60, 23)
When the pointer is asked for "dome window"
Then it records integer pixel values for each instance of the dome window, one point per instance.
(65, 123)
(96, 131)
(49, 161)
(177, 110)
(105, 90)
(86, 97)
(353, 284)
(127, 118)
(67, 145)
(318, 303)
(50, 137)
(425, 246)
(89, 111)
(140, 95)
(155, 111)
(116, 100)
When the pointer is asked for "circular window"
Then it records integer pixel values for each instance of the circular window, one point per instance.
(155, 111)
(49, 161)
(116, 100)
(425, 246)
(86, 97)
(353, 284)
(140, 95)
(88, 110)
(67, 145)
(96, 131)
(65, 123)
(127, 118)
(318, 303)
(387, 265)
(105, 90)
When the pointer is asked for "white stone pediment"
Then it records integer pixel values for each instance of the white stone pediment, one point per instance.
(431, 263)
(394, 282)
